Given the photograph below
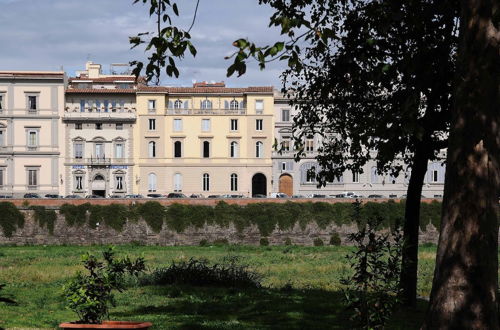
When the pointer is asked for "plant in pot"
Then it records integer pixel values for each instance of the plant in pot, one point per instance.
(89, 294)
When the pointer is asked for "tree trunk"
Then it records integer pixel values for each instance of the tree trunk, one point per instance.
(408, 278)
(464, 290)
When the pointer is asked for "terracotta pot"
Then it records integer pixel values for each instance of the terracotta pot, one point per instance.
(117, 325)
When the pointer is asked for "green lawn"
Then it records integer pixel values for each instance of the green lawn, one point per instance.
(301, 289)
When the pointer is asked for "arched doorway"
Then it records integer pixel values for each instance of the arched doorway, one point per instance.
(259, 184)
(286, 184)
(99, 186)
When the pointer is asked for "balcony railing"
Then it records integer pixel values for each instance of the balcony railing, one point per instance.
(99, 161)
(124, 115)
(204, 112)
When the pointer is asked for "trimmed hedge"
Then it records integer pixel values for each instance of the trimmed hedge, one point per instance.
(178, 217)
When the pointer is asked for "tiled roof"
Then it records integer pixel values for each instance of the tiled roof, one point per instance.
(100, 91)
(32, 74)
(205, 90)
(107, 79)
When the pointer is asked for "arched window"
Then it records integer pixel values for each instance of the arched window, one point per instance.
(152, 149)
(206, 104)
(151, 182)
(234, 149)
(206, 182)
(374, 175)
(206, 149)
(177, 149)
(259, 149)
(178, 104)
(234, 182)
(178, 182)
(234, 105)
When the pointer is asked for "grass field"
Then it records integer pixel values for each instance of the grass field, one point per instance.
(301, 289)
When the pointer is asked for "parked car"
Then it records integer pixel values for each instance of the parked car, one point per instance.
(318, 196)
(133, 196)
(72, 196)
(375, 196)
(31, 195)
(279, 195)
(115, 196)
(93, 196)
(231, 196)
(176, 195)
(155, 196)
(214, 196)
(5, 196)
(298, 196)
(196, 196)
(259, 196)
(52, 196)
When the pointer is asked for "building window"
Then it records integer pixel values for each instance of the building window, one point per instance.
(79, 182)
(32, 139)
(234, 124)
(434, 176)
(106, 105)
(113, 106)
(283, 166)
(205, 125)
(82, 105)
(119, 126)
(177, 125)
(98, 126)
(355, 177)
(259, 107)
(285, 144)
(206, 104)
(2, 137)
(206, 149)
(206, 182)
(78, 150)
(152, 124)
(152, 106)
(177, 182)
(32, 179)
(259, 149)
(177, 149)
(99, 150)
(98, 105)
(234, 149)
(1, 102)
(32, 102)
(1, 177)
(258, 124)
(374, 175)
(119, 150)
(78, 126)
(119, 182)
(151, 182)
(309, 145)
(178, 104)
(234, 182)
(152, 149)
(234, 105)
(285, 115)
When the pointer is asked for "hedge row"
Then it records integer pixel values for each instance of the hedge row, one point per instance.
(178, 217)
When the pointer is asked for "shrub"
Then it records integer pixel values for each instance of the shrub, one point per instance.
(221, 241)
(113, 216)
(75, 214)
(287, 241)
(45, 218)
(4, 299)
(204, 242)
(89, 295)
(264, 241)
(318, 242)
(335, 239)
(10, 218)
(198, 272)
(372, 291)
(154, 215)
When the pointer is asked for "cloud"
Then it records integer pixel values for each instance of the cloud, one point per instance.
(44, 35)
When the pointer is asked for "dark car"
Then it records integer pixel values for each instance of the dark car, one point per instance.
(154, 196)
(176, 195)
(134, 196)
(93, 196)
(319, 196)
(31, 195)
(52, 196)
(214, 196)
(115, 196)
(5, 196)
(375, 196)
(72, 196)
(259, 196)
(196, 196)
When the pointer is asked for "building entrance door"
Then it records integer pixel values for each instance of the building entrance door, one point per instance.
(259, 184)
(99, 186)
(286, 184)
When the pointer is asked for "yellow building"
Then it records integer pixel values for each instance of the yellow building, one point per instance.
(207, 139)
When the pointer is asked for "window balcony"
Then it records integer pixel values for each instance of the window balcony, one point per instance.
(127, 115)
(205, 112)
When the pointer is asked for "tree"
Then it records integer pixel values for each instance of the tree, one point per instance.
(374, 79)
(465, 285)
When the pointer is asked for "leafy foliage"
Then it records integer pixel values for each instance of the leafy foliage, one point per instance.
(154, 215)
(335, 239)
(45, 218)
(89, 295)
(4, 299)
(264, 241)
(165, 44)
(199, 272)
(10, 218)
(372, 291)
(75, 215)
(318, 242)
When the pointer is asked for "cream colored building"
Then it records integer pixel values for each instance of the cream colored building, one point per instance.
(31, 104)
(207, 139)
(99, 121)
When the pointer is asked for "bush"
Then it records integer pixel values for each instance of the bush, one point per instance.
(335, 239)
(154, 215)
(75, 214)
(221, 241)
(287, 241)
(10, 218)
(318, 242)
(264, 241)
(45, 218)
(204, 242)
(198, 272)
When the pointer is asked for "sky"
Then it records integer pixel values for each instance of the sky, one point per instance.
(55, 34)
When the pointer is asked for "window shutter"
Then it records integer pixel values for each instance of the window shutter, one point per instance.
(242, 105)
(170, 104)
(226, 105)
(186, 104)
